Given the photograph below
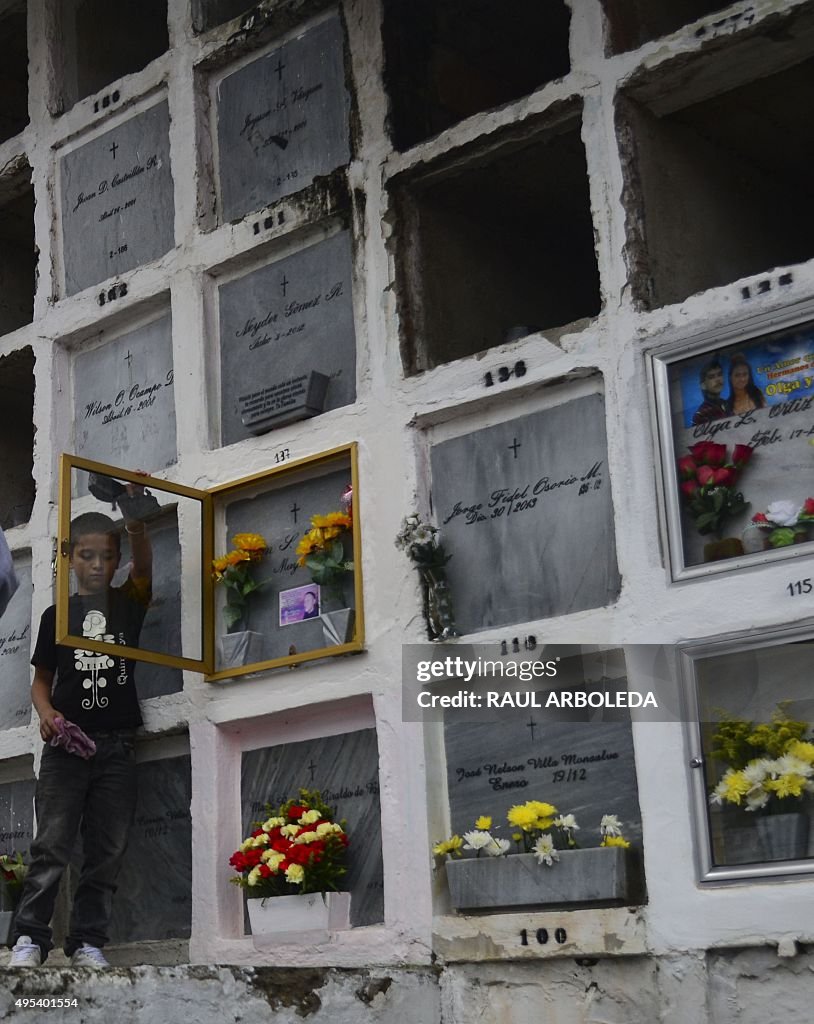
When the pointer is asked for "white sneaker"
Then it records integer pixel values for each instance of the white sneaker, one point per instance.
(25, 953)
(89, 956)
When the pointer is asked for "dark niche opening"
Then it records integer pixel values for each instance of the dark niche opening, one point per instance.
(17, 437)
(18, 259)
(634, 22)
(14, 72)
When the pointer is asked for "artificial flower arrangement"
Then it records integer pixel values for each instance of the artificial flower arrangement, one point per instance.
(539, 829)
(235, 570)
(12, 874)
(786, 522)
(768, 763)
(421, 543)
(298, 849)
(708, 482)
(322, 549)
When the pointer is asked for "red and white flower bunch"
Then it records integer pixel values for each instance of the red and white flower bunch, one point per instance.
(786, 521)
(708, 480)
(297, 849)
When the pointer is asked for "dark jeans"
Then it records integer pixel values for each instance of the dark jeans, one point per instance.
(96, 797)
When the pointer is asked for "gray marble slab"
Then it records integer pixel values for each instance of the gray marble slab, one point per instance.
(124, 402)
(16, 815)
(282, 120)
(511, 755)
(117, 200)
(154, 895)
(15, 653)
(525, 510)
(282, 516)
(282, 321)
(345, 769)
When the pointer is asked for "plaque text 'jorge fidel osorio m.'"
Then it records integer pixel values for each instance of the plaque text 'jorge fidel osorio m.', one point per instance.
(117, 200)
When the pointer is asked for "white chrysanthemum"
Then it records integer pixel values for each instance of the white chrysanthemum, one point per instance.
(610, 825)
(422, 536)
(567, 821)
(498, 847)
(306, 837)
(272, 823)
(477, 840)
(289, 830)
(756, 800)
(756, 771)
(784, 513)
(788, 764)
(254, 876)
(261, 840)
(310, 817)
(544, 851)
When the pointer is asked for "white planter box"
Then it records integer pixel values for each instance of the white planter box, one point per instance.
(598, 875)
(315, 911)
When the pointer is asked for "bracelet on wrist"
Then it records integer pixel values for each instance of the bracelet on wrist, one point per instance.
(135, 533)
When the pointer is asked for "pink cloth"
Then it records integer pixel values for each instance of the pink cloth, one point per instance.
(72, 738)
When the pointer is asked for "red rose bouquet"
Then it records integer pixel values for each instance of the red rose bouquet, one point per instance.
(708, 480)
(297, 849)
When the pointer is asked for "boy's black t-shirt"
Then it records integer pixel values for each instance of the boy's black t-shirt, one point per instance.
(95, 691)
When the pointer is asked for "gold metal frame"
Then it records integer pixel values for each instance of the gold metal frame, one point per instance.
(334, 456)
(206, 665)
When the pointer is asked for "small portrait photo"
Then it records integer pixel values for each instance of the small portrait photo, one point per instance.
(298, 604)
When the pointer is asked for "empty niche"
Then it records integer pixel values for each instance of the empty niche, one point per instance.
(209, 13)
(634, 22)
(14, 73)
(18, 260)
(448, 59)
(724, 186)
(105, 41)
(498, 249)
(17, 437)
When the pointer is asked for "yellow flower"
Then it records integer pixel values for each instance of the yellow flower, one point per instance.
(273, 859)
(790, 784)
(219, 564)
(517, 836)
(272, 823)
(294, 873)
(338, 520)
(803, 750)
(310, 817)
(735, 786)
(254, 876)
(522, 816)
(236, 557)
(306, 837)
(289, 831)
(542, 810)
(250, 542)
(615, 841)
(484, 822)
(451, 845)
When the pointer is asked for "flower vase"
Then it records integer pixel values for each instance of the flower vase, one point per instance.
(438, 604)
(313, 911)
(241, 648)
(595, 875)
(783, 836)
(716, 550)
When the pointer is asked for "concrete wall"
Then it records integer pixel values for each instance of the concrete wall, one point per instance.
(692, 954)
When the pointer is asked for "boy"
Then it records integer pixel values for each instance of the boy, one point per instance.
(96, 796)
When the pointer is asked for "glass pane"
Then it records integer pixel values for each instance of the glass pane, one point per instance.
(271, 602)
(127, 567)
(756, 708)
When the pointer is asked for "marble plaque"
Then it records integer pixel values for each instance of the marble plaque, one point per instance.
(15, 653)
(525, 510)
(584, 767)
(117, 200)
(295, 399)
(124, 405)
(284, 320)
(282, 517)
(16, 815)
(154, 895)
(345, 769)
(283, 121)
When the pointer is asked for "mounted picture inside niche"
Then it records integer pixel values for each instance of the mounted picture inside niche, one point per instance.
(735, 413)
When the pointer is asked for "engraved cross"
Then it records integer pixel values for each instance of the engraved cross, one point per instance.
(514, 446)
(113, 149)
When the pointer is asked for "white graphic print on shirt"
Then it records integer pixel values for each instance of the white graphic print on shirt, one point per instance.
(93, 627)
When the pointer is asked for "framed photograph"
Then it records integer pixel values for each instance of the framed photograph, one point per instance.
(298, 604)
(734, 413)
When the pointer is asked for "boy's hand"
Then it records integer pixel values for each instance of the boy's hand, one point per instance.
(47, 727)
